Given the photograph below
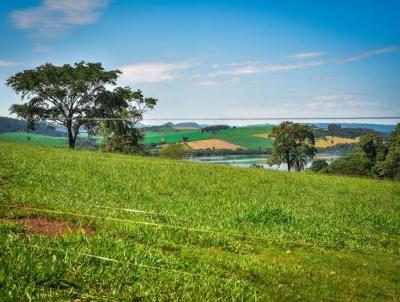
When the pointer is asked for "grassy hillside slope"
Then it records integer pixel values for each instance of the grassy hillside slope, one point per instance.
(209, 232)
(35, 139)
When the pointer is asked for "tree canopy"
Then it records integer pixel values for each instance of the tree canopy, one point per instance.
(293, 145)
(121, 111)
(72, 95)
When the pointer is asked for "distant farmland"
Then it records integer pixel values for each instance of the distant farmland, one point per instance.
(330, 141)
(250, 138)
(243, 136)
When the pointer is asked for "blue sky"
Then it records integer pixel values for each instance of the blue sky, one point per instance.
(220, 58)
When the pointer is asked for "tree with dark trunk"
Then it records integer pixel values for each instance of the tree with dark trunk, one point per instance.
(293, 145)
(61, 94)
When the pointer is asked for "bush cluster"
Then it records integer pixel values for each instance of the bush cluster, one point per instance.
(371, 157)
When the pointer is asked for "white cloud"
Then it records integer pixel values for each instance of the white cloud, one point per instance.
(4, 63)
(253, 68)
(370, 53)
(306, 55)
(213, 82)
(327, 105)
(336, 102)
(152, 72)
(55, 16)
(42, 49)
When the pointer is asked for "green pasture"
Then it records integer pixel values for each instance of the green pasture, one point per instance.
(34, 139)
(174, 136)
(202, 232)
(243, 136)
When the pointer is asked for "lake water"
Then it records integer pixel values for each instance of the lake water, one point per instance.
(248, 161)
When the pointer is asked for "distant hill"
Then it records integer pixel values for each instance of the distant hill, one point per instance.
(190, 124)
(15, 125)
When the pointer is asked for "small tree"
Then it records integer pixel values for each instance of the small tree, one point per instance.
(120, 112)
(174, 151)
(390, 166)
(318, 165)
(373, 146)
(293, 145)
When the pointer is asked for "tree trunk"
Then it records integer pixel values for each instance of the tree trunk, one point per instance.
(288, 162)
(71, 139)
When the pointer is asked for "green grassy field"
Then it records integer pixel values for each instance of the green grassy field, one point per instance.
(35, 139)
(172, 136)
(208, 233)
(243, 136)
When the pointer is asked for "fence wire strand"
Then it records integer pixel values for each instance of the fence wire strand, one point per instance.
(167, 226)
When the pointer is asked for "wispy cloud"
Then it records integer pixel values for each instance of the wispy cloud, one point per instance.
(237, 69)
(306, 55)
(53, 17)
(152, 71)
(370, 53)
(333, 102)
(4, 63)
(257, 68)
(214, 82)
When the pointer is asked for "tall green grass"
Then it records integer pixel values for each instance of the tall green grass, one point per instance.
(240, 234)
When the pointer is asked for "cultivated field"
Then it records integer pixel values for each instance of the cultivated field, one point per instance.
(330, 141)
(203, 233)
(213, 144)
(242, 136)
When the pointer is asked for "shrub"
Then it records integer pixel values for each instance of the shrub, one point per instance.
(390, 167)
(318, 165)
(355, 163)
(174, 151)
(128, 144)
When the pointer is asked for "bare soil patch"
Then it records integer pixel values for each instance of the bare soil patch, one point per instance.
(213, 144)
(53, 228)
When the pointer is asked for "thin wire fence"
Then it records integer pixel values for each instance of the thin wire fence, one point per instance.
(167, 226)
(266, 118)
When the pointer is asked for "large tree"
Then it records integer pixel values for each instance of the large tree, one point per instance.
(293, 145)
(63, 94)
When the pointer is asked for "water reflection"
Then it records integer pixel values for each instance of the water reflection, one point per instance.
(248, 161)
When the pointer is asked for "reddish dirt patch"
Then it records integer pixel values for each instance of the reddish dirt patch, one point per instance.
(53, 228)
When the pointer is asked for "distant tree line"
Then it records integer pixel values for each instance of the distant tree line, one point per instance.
(15, 125)
(215, 128)
(337, 130)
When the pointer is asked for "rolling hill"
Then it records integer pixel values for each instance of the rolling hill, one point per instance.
(81, 225)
